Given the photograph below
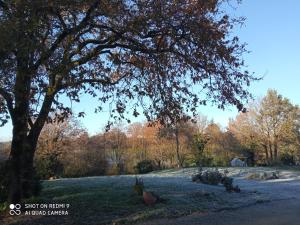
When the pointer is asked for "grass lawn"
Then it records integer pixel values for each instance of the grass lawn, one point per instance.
(111, 200)
(100, 202)
(108, 200)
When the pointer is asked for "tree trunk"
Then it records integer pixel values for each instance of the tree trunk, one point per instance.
(19, 117)
(275, 148)
(29, 184)
(22, 183)
(24, 142)
(266, 153)
(271, 151)
(177, 148)
(14, 165)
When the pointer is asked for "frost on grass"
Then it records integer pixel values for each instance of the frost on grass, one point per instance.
(103, 200)
(175, 185)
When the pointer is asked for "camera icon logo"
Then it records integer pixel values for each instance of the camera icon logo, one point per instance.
(15, 209)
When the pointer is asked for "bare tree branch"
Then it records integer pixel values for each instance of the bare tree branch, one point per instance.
(66, 33)
(90, 81)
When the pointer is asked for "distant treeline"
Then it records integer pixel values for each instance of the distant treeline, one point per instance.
(267, 134)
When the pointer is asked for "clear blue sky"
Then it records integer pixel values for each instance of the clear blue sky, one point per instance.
(272, 31)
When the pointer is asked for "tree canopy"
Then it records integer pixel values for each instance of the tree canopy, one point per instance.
(271, 127)
(149, 51)
(158, 58)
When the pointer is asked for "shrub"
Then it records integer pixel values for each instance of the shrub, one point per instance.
(220, 162)
(228, 184)
(287, 159)
(83, 166)
(75, 171)
(113, 170)
(208, 177)
(49, 166)
(207, 161)
(144, 166)
(215, 178)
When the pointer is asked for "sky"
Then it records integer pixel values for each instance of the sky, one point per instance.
(272, 34)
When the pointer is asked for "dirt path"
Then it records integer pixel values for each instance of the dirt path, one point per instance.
(281, 212)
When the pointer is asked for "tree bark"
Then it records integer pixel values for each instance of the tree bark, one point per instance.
(29, 184)
(271, 151)
(177, 148)
(22, 184)
(266, 153)
(14, 165)
(275, 148)
(24, 141)
(20, 130)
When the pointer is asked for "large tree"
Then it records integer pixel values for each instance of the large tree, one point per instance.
(115, 148)
(56, 138)
(276, 120)
(270, 127)
(181, 128)
(161, 57)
